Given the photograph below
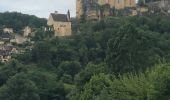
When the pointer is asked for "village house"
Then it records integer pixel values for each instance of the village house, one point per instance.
(10, 48)
(60, 23)
(5, 56)
(6, 52)
(8, 30)
(6, 37)
(27, 31)
(19, 39)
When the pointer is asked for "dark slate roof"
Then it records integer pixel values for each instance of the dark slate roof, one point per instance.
(9, 48)
(6, 35)
(60, 17)
(4, 53)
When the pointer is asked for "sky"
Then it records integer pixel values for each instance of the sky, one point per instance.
(40, 8)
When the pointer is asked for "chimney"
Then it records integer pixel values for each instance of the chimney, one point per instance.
(56, 12)
(68, 15)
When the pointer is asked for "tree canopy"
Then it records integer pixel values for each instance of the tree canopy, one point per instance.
(116, 58)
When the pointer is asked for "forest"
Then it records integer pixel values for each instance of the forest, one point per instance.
(117, 58)
(19, 21)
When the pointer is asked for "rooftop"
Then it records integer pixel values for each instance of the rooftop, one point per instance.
(60, 17)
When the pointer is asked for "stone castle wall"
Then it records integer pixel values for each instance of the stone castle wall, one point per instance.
(60, 28)
(91, 5)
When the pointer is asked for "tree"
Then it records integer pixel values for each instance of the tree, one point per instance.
(69, 67)
(10, 69)
(96, 87)
(131, 50)
(90, 70)
(41, 54)
(19, 21)
(161, 88)
(48, 85)
(19, 88)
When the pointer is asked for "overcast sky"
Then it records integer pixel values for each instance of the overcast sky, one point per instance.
(40, 8)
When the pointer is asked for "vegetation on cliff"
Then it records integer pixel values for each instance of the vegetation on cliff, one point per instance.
(19, 21)
(117, 58)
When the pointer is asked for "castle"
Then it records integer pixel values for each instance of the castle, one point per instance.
(96, 9)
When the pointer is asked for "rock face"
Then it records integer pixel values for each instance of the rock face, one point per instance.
(96, 9)
(60, 23)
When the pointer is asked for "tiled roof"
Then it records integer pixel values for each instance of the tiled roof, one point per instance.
(60, 17)
(6, 35)
(9, 48)
(4, 53)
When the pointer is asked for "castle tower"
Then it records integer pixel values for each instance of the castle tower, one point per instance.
(109, 2)
(112, 3)
(103, 2)
(89, 8)
(94, 9)
(130, 3)
(119, 4)
(79, 8)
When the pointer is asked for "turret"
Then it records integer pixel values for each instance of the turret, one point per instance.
(68, 14)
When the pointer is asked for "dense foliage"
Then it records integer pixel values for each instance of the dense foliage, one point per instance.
(18, 21)
(117, 58)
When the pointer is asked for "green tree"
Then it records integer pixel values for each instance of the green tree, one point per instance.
(69, 67)
(19, 88)
(95, 88)
(131, 50)
(48, 85)
(160, 80)
(10, 69)
(90, 70)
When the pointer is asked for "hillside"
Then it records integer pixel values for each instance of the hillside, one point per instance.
(117, 58)
(18, 21)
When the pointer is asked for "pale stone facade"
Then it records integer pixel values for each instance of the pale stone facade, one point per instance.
(27, 31)
(61, 24)
(120, 4)
(79, 9)
(8, 30)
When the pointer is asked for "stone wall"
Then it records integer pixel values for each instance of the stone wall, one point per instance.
(62, 28)
(90, 10)
(79, 8)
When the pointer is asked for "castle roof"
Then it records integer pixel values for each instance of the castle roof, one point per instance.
(60, 17)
